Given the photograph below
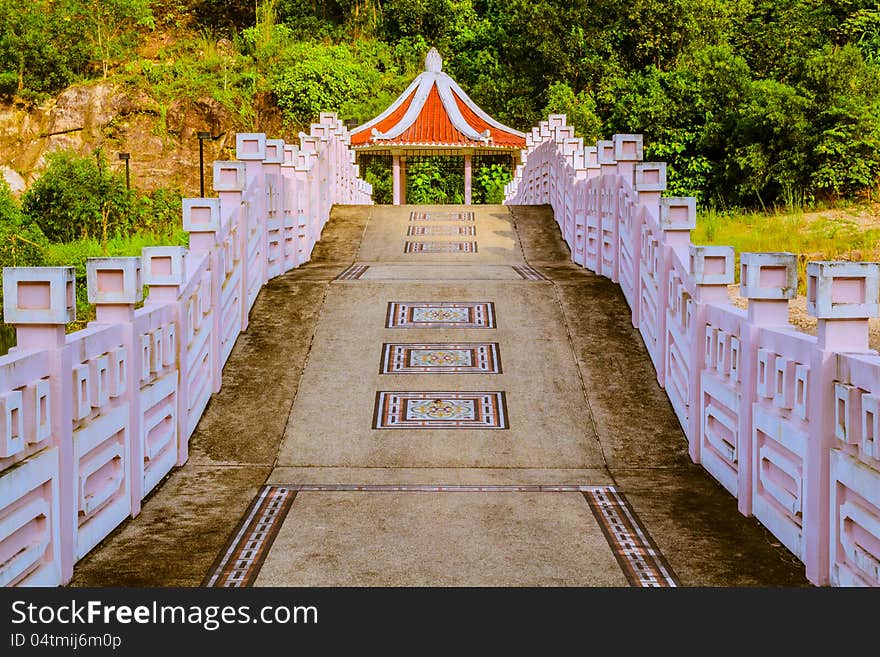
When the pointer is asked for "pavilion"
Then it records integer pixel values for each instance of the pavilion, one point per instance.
(434, 116)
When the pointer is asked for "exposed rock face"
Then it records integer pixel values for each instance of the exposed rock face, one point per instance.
(16, 182)
(163, 144)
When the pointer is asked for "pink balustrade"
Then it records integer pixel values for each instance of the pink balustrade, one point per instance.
(788, 423)
(92, 421)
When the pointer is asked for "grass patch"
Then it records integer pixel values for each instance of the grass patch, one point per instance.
(75, 254)
(826, 235)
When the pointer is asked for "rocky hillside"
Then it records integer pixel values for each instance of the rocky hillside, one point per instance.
(162, 140)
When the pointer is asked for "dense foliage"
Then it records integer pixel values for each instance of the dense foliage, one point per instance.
(80, 208)
(84, 198)
(752, 102)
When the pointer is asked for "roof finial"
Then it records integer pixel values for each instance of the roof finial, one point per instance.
(433, 62)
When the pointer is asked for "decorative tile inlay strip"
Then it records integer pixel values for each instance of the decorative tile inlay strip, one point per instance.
(440, 410)
(457, 358)
(445, 488)
(441, 231)
(638, 556)
(441, 216)
(240, 563)
(529, 273)
(440, 314)
(635, 551)
(352, 273)
(440, 247)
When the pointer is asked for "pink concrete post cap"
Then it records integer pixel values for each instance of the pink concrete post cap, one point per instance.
(843, 290)
(556, 121)
(711, 265)
(274, 151)
(320, 131)
(650, 177)
(114, 280)
(328, 117)
(163, 265)
(768, 276)
(678, 213)
(229, 176)
(572, 145)
(39, 295)
(250, 146)
(605, 151)
(561, 133)
(545, 130)
(628, 148)
(307, 143)
(290, 153)
(591, 157)
(304, 160)
(201, 215)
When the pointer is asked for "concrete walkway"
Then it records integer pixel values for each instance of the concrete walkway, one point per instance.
(440, 398)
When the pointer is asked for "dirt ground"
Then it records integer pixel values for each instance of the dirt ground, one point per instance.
(797, 315)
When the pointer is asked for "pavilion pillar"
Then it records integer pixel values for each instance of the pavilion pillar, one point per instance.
(467, 179)
(395, 179)
(403, 179)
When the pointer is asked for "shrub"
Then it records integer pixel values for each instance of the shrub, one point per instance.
(80, 197)
(21, 240)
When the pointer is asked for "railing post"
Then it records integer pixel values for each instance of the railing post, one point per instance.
(274, 207)
(579, 203)
(201, 219)
(768, 281)
(313, 188)
(289, 202)
(711, 269)
(230, 181)
(650, 181)
(842, 296)
(628, 150)
(592, 216)
(251, 149)
(164, 272)
(38, 302)
(607, 208)
(304, 205)
(115, 285)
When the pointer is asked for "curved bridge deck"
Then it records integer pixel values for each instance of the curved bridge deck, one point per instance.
(557, 459)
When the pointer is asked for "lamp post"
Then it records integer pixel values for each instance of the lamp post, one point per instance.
(126, 157)
(202, 137)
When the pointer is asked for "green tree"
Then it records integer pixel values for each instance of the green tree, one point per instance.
(313, 78)
(845, 120)
(80, 197)
(22, 243)
(490, 181)
(40, 49)
(112, 26)
(768, 151)
(579, 109)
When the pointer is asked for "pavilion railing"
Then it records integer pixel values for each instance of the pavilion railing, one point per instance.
(787, 422)
(92, 421)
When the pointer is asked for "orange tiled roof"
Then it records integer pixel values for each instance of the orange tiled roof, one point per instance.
(421, 117)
